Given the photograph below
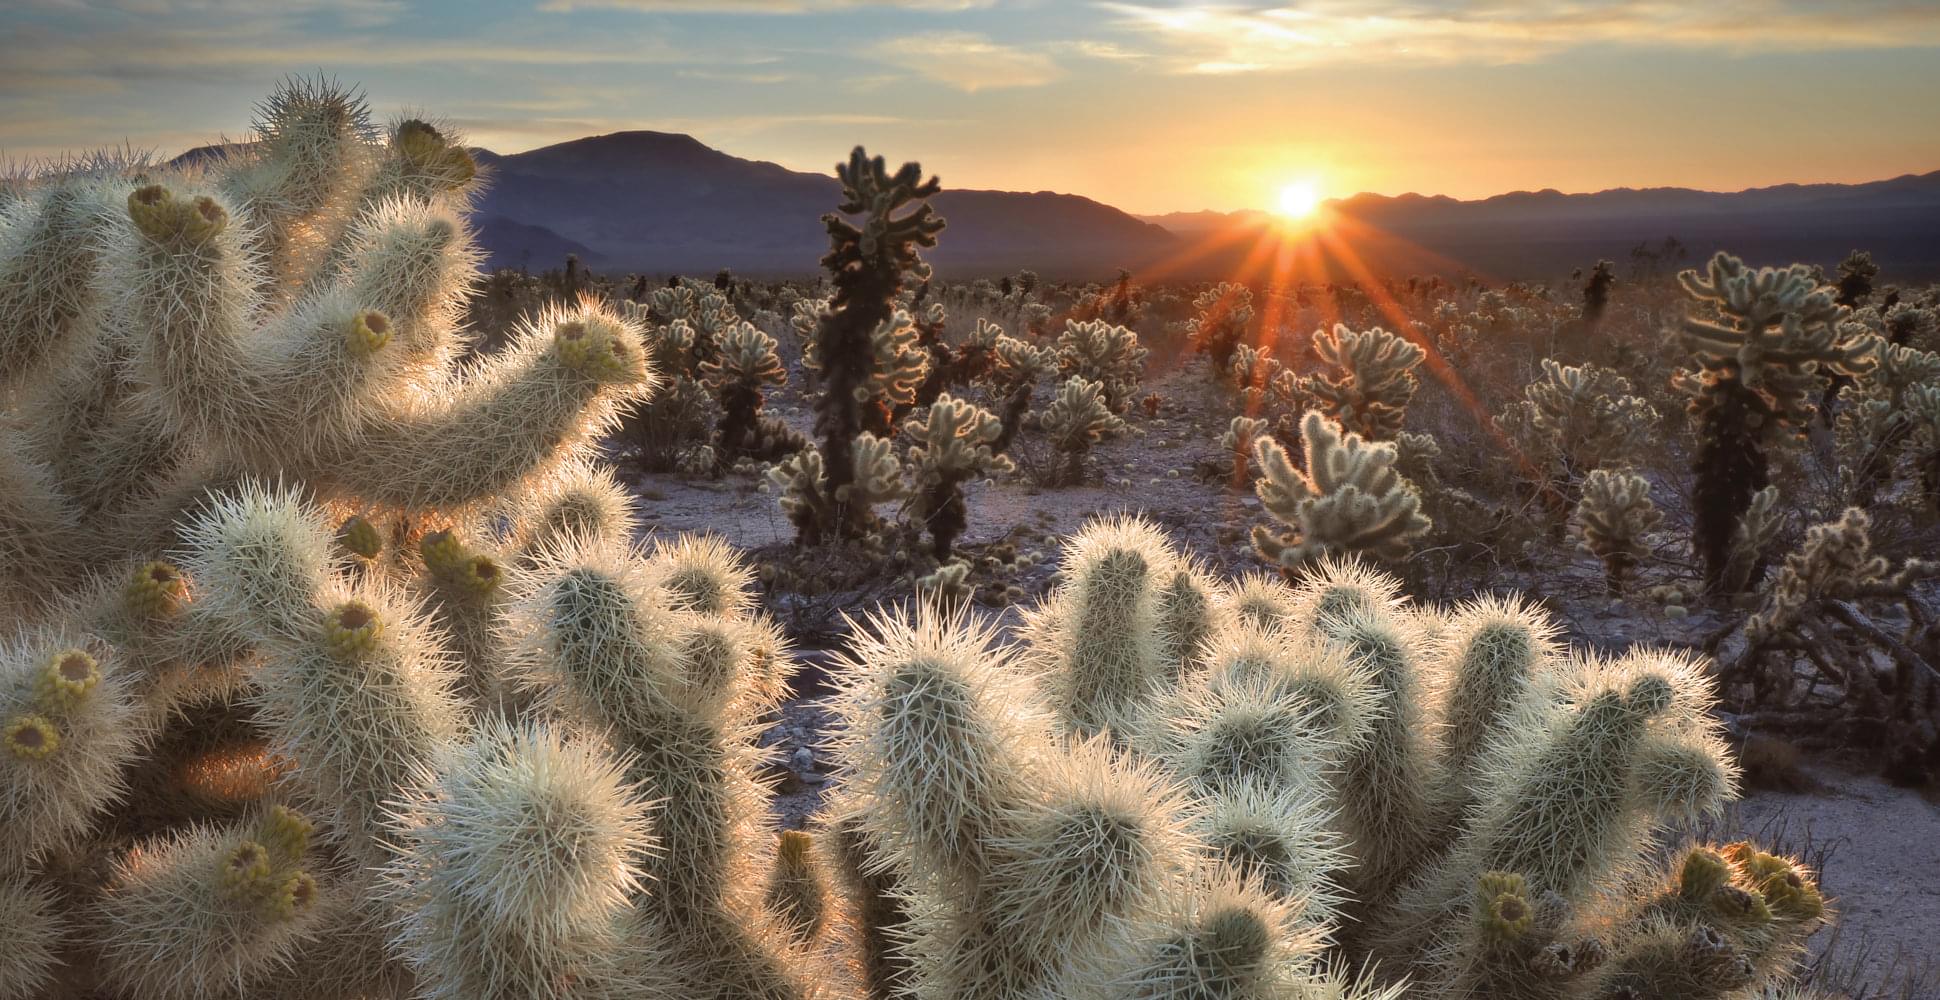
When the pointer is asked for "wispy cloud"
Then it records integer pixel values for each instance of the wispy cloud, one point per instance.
(967, 61)
(1222, 38)
(758, 6)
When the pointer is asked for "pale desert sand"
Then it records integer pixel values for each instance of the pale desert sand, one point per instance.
(1882, 866)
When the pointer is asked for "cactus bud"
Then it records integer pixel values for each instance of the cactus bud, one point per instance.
(294, 895)
(159, 216)
(32, 737)
(1505, 913)
(1703, 873)
(360, 538)
(157, 589)
(286, 833)
(592, 349)
(369, 331)
(68, 677)
(443, 553)
(246, 871)
(351, 630)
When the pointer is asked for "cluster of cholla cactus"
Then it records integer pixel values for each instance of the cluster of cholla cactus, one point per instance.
(285, 312)
(1572, 421)
(1368, 381)
(879, 355)
(1346, 498)
(1223, 314)
(1766, 346)
(1109, 355)
(716, 370)
(1174, 787)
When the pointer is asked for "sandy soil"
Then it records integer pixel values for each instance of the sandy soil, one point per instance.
(1881, 847)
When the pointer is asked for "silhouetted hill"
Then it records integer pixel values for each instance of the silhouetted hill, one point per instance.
(654, 201)
(664, 202)
(1539, 234)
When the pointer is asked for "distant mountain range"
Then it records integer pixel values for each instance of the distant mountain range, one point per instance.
(660, 202)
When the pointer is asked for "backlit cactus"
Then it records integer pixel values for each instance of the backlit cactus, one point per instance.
(1615, 516)
(1762, 364)
(955, 440)
(1369, 381)
(1109, 355)
(1348, 500)
(1077, 419)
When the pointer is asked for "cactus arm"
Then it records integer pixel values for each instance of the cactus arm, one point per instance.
(49, 252)
(510, 419)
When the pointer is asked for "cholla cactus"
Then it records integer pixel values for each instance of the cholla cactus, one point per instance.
(208, 912)
(1098, 635)
(1016, 367)
(677, 686)
(1077, 419)
(861, 329)
(1371, 379)
(36, 928)
(954, 444)
(521, 835)
(1238, 442)
(1574, 420)
(1752, 541)
(1109, 355)
(1615, 517)
(1836, 560)
(1761, 364)
(1224, 311)
(1881, 417)
(745, 363)
(1349, 499)
(1239, 786)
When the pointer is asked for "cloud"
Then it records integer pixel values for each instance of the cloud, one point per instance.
(1220, 38)
(758, 6)
(967, 61)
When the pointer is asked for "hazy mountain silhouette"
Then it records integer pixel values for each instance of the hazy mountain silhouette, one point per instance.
(654, 201)
(665, 202)
(1546, 233)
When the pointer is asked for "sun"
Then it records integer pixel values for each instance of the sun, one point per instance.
(1299, 199)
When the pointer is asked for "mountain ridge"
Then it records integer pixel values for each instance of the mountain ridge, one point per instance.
(659, 202)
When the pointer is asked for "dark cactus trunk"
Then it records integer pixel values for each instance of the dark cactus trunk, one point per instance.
(1730, 467)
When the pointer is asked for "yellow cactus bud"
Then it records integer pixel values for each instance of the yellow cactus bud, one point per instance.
(32, 737)
(427, 152)
(158, 215)
(1505, 914)
(592, 350)
(293, 895)
(247, 870)
(1740, 907)
(286, 833)
(150, 208)
(1703, 873)
(443, 553)
(157, 589)
(351, 630)
(360, 538)
(480, 575)
(369, 331)
(68, 677)
(1788, 891)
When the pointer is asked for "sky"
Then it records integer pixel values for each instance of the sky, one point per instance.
(1149, 105)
